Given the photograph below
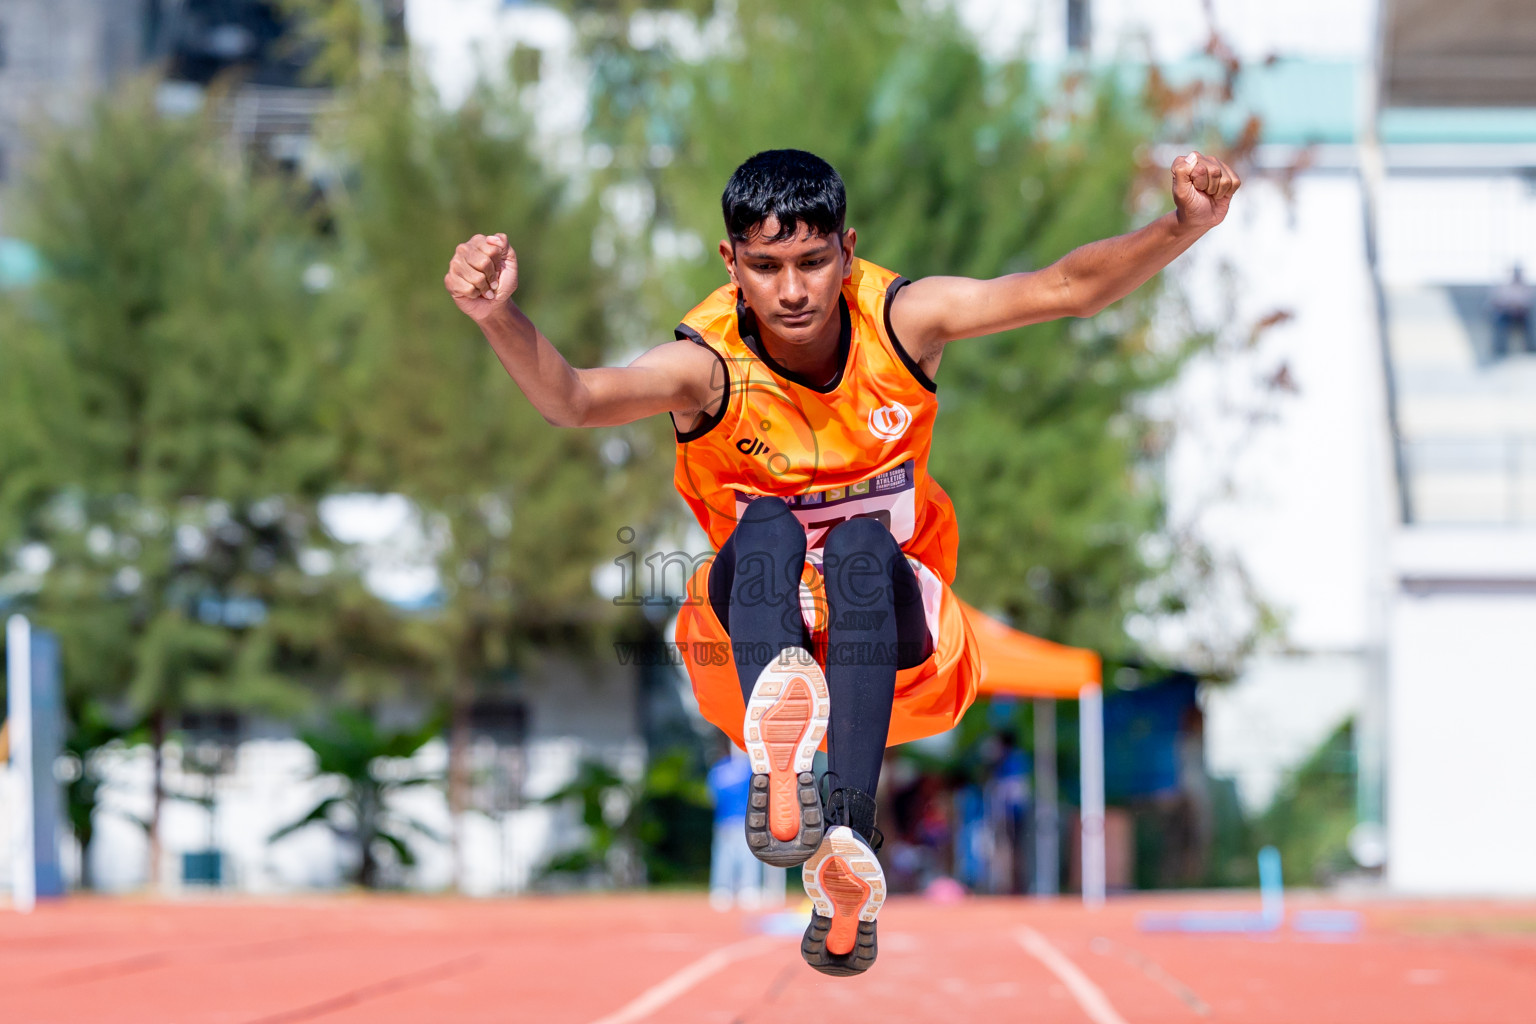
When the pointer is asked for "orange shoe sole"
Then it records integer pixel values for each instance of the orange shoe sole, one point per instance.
(847, 888)
(785, 722)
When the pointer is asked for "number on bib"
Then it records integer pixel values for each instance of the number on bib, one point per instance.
(888, 498)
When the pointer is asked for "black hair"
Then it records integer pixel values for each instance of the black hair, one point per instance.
(790, 184)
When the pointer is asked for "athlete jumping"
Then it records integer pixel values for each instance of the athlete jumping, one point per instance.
(803, 398)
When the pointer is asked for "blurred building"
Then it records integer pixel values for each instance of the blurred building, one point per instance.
(55, 56)
(1385, 504)
(1453, 191)
(236, 779)
(58, 56)
(1367, 463)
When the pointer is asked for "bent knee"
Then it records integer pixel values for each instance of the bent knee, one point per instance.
(861, 535)
(769, 520)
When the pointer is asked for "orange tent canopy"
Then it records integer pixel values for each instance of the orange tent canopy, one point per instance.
(1021, 665)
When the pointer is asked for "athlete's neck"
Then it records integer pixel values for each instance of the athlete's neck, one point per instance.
(817, 358)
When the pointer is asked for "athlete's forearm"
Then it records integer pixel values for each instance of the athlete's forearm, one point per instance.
(551, 384)
(1103, 272)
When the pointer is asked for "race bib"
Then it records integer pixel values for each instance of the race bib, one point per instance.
(889, 498)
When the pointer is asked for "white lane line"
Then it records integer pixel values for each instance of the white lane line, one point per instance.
(1088, 995)
(662, 993)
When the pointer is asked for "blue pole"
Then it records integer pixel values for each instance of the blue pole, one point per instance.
(1271, 887)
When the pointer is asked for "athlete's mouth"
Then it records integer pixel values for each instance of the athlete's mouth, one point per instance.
(797, 319)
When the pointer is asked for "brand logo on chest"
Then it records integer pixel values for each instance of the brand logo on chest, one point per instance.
(751, 446)
(890, 421)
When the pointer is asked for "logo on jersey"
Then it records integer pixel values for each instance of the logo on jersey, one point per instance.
(751, 446)
(889, 421)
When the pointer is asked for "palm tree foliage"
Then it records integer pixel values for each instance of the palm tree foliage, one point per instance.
(363, 762)
(653, 829)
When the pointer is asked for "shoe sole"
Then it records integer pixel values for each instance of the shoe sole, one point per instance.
(785, 722)
(847, 889)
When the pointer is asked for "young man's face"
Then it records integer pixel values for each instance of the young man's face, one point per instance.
(792, 284)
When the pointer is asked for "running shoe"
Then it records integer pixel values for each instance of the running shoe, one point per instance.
(786, 719)
(847, 887)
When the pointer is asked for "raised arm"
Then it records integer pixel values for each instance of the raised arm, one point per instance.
(934, 311)
(678, 377)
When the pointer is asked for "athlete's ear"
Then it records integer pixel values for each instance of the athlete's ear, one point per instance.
(728, 254)
(850, 236)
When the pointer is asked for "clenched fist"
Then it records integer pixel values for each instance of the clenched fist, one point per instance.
(482, 275)
(1202, 190)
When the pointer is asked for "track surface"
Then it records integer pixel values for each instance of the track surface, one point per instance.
(669, 958)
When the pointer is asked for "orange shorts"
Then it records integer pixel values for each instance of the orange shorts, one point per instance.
(930, 697)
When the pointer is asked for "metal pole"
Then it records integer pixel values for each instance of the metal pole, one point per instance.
(1368, 840)
(1047, 812)
(18, 668)
(1091, 727)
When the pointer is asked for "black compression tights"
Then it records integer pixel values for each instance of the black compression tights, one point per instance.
(876, 622)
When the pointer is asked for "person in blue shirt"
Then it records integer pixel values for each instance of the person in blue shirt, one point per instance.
(735, 875)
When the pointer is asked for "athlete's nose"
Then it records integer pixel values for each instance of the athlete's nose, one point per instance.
(793, 293)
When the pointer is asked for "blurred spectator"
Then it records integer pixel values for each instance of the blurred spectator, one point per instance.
(974, 839)
(1510, 306)
(991, 819)
(1009, 796)
(735, 876)
(919, 846)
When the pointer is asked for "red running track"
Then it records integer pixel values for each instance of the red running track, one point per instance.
(669, 958)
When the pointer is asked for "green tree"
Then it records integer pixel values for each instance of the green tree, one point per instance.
(1310, 817)
(523, 511)
(633, 828)
(166, 429)
(365, 763)
(345, 41)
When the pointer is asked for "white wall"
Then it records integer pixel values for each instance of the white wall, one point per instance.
(1276, 715)
(1456, 229)
(1462, 760)
(269, 787)
(458, 42)
(1287, 481)
(576, 712)
(1288, 485)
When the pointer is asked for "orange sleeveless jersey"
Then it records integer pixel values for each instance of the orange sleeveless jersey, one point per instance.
(855, 447)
